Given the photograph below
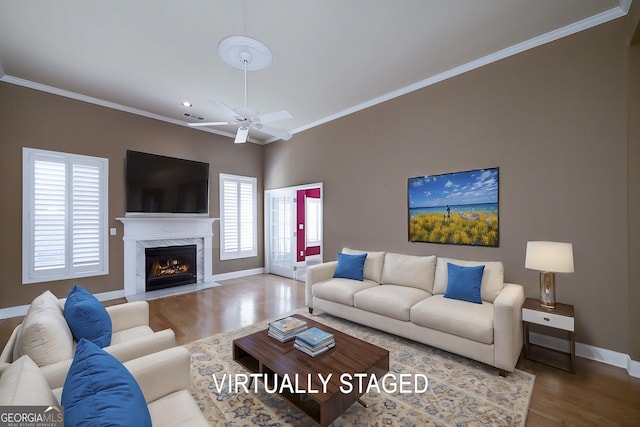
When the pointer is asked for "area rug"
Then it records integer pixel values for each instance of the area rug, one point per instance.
(461, 392)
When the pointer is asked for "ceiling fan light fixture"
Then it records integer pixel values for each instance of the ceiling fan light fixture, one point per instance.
(242, 135)
(247, 54)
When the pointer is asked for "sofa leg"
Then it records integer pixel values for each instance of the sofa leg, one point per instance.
(503, 373)
(310, 310)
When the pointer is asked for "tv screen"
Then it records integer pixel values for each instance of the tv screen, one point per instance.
(165, 185)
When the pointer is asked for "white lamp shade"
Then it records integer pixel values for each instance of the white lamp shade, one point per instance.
(553, 257)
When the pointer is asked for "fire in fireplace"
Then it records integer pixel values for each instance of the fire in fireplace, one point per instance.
(169, 266)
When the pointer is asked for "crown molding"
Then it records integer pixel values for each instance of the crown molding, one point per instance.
(592, 21)
(108, 104)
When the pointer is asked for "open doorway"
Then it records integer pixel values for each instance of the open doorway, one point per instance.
(293, 230)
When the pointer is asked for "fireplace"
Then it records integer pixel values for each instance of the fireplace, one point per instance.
(169, 266)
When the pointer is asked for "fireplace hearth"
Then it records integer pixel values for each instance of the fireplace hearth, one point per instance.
(169, 266)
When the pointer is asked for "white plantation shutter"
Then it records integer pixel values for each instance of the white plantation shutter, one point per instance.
(65, 210)
(49, 216)
(86, 228)
(238, 206)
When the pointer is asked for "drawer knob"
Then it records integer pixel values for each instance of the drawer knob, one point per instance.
(547, 319)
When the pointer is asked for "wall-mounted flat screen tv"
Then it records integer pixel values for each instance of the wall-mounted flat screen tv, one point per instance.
(163, 185)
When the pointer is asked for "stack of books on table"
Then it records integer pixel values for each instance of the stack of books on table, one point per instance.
(286, 329)
(314, 341)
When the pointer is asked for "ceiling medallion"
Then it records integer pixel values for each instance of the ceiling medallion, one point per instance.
(239, 51)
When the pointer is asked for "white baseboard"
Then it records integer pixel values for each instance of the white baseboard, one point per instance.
(238, 274)
(610, 357)
(21, 310)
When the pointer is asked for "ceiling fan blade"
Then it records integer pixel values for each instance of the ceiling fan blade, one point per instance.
(195, 125)
(242, 135)
(278, 133)
(224, 107)
(273, 117)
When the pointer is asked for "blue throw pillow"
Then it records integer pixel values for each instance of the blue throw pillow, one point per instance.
(87, 317)
(463, 283)
(100, 391)
(350, 266)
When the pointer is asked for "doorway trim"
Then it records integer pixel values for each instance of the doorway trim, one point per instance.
(269, 195)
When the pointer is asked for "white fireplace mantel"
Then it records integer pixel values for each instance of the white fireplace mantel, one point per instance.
(148, 229)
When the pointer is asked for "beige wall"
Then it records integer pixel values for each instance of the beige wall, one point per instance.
(634, 179)
(29, 118)
(553, 119)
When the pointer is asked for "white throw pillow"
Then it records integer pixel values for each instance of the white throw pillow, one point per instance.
(372, 265)
(44, 335)
(492, 277)
(22, 383)
(409, 270)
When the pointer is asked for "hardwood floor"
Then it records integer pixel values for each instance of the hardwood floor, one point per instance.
(597, 395)
(239, 302)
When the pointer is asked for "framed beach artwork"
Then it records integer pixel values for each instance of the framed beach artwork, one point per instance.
(459, 208)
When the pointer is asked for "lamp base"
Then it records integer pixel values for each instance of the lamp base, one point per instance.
(548, 290)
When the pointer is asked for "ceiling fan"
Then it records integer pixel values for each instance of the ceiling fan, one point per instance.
(249, 55)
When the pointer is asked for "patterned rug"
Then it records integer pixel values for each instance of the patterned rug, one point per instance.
(461, 392)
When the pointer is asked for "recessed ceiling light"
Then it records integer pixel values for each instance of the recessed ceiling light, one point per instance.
(186, 104)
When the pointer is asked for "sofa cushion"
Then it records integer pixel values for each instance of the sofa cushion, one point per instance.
(389, 300)
(492, 277)
(99, 390)
(372, 265)
(463, 283)
(471, 321)
(340, 290)
(176, 409)
(44, 335)
(350, 266)
(408, 270)
(22, 383)
(87, 317)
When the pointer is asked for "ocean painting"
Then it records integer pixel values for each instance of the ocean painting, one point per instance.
(458, 208)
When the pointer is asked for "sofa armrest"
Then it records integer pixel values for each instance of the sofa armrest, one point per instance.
(507, 326)
(160, 374)
(317, 273)
(57, 373)
(129, 315)
(142, 346)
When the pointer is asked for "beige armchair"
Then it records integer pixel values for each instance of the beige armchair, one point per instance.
(163, 378)
(46, 338)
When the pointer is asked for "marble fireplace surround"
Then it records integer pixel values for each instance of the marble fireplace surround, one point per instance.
(145, 232)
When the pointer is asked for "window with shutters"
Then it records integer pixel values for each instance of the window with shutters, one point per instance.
(65, 208)
(238, 217)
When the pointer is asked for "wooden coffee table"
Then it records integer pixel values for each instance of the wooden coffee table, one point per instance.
(259, 353)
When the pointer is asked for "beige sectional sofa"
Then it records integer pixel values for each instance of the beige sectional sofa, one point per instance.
(404, 295)
(39, 358)
(163, 378)
(46, 338)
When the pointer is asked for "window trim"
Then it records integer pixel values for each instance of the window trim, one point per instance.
(29, 274)
(239, 253)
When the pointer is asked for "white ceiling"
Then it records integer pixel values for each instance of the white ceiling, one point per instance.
(330, 57)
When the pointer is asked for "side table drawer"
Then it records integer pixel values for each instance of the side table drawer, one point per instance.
(548, 319)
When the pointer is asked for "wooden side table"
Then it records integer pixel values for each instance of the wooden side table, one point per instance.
(560, 317)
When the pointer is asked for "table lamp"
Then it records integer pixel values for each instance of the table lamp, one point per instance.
(549, 258)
